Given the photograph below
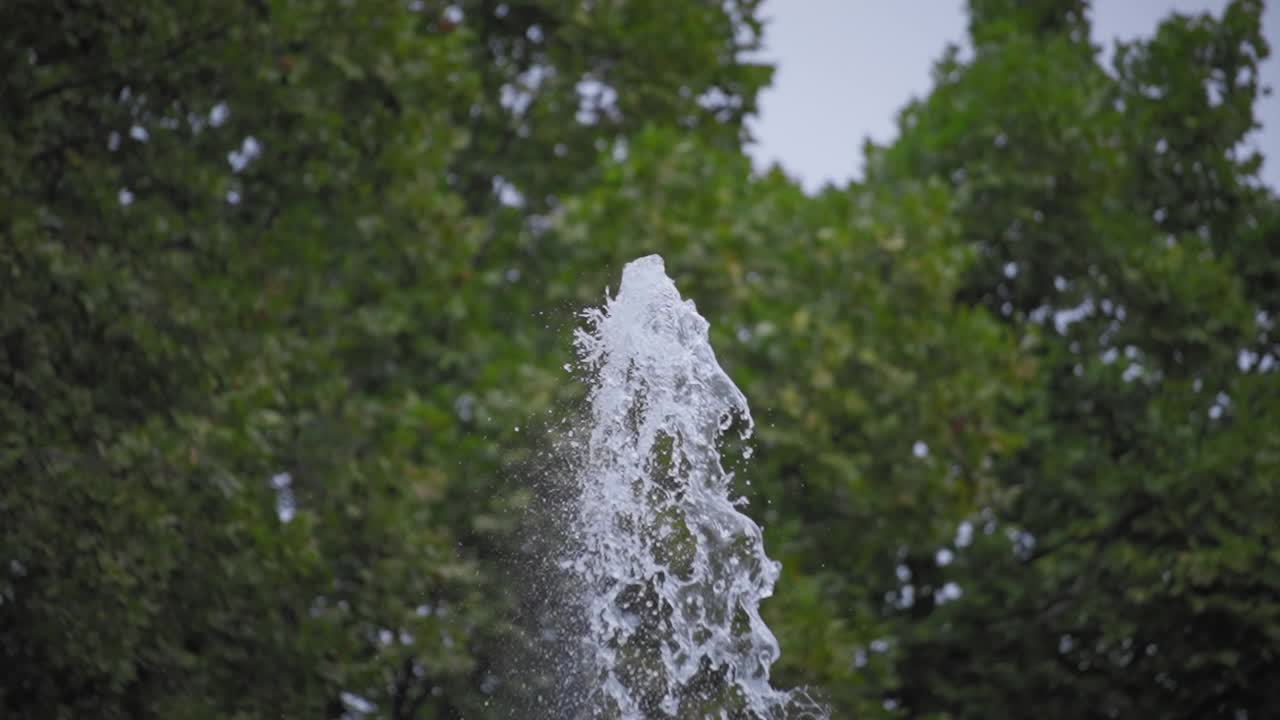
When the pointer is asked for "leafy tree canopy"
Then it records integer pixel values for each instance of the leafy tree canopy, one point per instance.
(281, 283)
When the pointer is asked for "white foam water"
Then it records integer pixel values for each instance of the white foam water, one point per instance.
(671, 574)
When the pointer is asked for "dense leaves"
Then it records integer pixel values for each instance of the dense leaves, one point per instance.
(285, 293)
(1121, 224)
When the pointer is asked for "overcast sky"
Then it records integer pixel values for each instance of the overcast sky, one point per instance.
(845, 68)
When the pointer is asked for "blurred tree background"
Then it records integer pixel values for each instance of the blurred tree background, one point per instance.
(281, 281)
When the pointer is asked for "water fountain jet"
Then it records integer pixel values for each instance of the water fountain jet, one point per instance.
(669, 574)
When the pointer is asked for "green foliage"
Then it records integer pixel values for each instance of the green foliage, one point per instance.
(1014, 391)
(1121, 225)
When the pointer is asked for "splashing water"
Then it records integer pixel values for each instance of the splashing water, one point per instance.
(671, 574)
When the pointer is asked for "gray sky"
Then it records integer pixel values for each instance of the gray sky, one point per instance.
(845, 68)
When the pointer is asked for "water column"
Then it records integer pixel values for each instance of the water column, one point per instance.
(670, 573)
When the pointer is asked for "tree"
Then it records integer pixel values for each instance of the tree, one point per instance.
(1123, 231)
(163, 301)
(258, 370)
